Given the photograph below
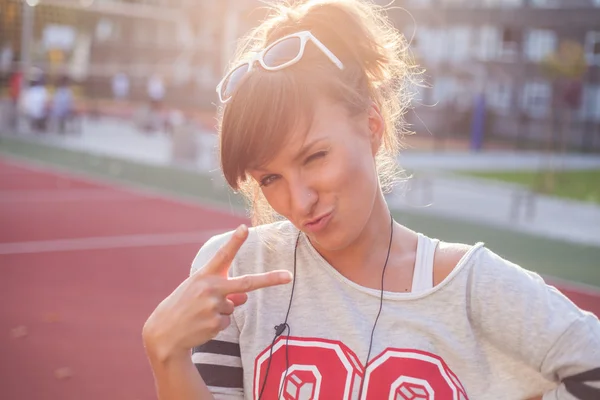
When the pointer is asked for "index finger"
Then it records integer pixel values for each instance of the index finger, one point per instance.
(251, 282)
(220, 262)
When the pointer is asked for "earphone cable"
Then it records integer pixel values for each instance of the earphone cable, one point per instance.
(380, 302)
(279, 329)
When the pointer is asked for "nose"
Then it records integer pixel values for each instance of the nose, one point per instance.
(303, 197)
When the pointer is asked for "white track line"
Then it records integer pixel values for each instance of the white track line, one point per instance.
(107, 242)
(60, 195)
(138, 189)
(575, 287)
(150, 192)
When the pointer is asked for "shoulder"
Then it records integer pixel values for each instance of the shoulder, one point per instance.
(494, 272)
(447, 258)
(259, 251)
(484, 267)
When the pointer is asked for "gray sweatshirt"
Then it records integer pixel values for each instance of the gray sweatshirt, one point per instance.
(490, 330)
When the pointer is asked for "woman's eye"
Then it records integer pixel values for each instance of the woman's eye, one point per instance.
(267, 180)
(315, 156)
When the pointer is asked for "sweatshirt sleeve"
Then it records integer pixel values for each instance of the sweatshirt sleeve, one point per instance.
(524, 317)
(219, 361)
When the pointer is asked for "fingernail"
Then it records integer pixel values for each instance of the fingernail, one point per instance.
(241, 230)
(285, 276)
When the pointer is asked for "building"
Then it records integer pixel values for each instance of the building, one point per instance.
(92, 40)
(469, 48)
(497, 48)
(493, 50)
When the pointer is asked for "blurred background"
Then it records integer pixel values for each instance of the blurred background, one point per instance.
(109, 179)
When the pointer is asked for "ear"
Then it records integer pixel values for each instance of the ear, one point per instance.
(376, 127)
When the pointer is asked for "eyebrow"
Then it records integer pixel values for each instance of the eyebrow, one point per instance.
(307, 147)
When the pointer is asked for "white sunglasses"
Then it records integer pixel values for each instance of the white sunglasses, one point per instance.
(278, 55)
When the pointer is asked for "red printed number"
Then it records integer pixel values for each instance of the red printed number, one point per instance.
(322, 369)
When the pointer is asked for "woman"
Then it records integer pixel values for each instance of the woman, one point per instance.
(351, 304)
(62, 103)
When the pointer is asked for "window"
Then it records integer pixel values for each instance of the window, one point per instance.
(511, 43)
(432, 42)
(590, 106)
(455, 2)
(420, 44)
(539, 44)
(488, 44)
(459, 43)
(545, 3)
(592, 47)
(502, 3)
(444, 90)
(107, 30)
(499, 96)
(420, 3)
(184, 35)
(536, 98)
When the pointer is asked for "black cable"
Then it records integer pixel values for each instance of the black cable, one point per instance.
(287, 365)
(268, 367)
(294, 281)
(380, 304)
(279, 329)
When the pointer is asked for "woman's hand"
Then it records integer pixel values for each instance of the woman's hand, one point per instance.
(201, 306)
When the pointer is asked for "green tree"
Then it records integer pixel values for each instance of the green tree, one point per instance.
(565, 68)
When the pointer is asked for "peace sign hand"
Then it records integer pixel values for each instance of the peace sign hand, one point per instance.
(202, 304)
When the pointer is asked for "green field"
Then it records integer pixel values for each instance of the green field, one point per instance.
(581, 185)
(568, 261)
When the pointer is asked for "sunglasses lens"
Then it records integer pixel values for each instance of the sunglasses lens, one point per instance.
(232, 81)
(282, 52)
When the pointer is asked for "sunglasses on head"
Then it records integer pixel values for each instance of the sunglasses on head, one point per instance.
(280, 54)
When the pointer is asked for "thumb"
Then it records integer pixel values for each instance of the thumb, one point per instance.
(238, 298)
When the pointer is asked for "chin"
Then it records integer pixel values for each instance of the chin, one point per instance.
(334, 240)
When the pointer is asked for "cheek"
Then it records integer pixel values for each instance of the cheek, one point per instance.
(351, 175)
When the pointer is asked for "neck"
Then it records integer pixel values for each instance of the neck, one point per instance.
(370, 247)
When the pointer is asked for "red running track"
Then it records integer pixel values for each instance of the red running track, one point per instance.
(82, 265)
(80, 311)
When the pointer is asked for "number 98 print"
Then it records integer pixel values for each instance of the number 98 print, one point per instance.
(323, 369)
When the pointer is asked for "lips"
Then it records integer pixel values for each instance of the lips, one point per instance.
(319, 223)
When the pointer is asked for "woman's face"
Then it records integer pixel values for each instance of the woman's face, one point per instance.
(325, 181)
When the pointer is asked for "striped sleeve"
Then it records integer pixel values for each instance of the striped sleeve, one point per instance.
(524, 317)
(218, 361)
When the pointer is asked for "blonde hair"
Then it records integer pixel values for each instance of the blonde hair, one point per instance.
(267, 106)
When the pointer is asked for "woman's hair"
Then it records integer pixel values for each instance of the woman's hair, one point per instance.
(268, 106)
